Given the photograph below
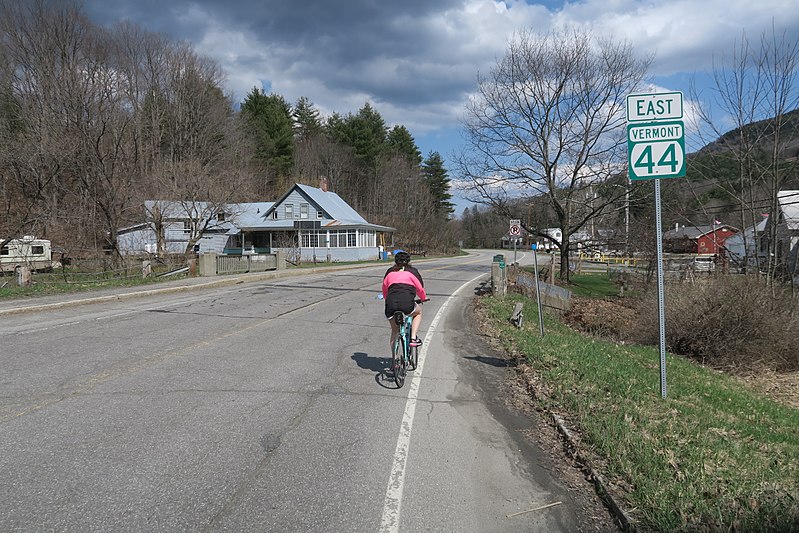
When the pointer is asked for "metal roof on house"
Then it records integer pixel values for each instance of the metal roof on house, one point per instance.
(693, 232)
(333, 205)
(256, 215)
(789, 205)
(251, 215)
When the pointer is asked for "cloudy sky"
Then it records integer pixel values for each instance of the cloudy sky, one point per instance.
(416, 61)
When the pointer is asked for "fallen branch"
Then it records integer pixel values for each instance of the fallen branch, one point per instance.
(535, 509)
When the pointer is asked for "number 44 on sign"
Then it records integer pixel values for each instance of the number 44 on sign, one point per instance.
(655, 136)
(656, 150)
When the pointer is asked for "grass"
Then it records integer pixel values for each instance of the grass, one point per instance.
(593, 285)
(54, 283)
(48, 284)
(712, 455)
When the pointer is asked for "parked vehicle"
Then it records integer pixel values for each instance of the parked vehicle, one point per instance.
(28, 251)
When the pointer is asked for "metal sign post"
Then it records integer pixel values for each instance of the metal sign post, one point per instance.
(661, 292)
(514, 232)
(656, 150)
(534, 247)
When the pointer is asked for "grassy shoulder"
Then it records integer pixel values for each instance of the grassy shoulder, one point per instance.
(712, 455)
(52, 284)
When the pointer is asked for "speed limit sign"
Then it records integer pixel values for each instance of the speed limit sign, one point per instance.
(515, 227)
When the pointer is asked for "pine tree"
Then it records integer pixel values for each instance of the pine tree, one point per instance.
(437, 179)
(307, 121)
(400, 141)
(270, 122)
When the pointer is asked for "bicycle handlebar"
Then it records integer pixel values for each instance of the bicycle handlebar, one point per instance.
(420, 301)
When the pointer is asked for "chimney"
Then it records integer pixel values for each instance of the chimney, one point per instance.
(323, 183)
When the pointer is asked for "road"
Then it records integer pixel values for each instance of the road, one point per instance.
(265, 406)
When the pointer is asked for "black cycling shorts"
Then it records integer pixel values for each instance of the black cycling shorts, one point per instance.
(400, 301)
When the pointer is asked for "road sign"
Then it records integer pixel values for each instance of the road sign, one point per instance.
(515, 227)
(654, 106)
(656, 150)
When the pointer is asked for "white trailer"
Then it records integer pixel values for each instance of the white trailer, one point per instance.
(28, 251)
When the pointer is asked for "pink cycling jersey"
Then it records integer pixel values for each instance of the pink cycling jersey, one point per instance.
(403, 277)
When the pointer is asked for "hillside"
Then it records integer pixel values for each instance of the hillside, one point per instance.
(761, 133)
(716, 180)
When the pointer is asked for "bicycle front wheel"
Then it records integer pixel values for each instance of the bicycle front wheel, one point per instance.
(413, 360)
(398, 362)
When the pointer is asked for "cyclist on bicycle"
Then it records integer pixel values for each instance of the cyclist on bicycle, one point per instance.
(402, 284)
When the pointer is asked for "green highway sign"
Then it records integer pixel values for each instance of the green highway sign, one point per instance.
(656, 150)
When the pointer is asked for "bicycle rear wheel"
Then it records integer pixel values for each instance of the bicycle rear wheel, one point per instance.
(398, 362)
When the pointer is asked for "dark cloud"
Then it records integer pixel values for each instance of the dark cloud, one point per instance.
(389, 51)
(417, 60)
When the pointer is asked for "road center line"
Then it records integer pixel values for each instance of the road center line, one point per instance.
(391, 506)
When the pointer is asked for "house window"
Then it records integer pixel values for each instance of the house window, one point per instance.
(366, 238)
(4, 250)
(274, 214)
(343, 238)
(303, 210)
(37, 250)
(289, 210)
(187, 226)
(320, 214)
(220, 217)
(310, 239)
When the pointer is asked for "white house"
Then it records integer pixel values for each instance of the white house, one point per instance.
(747, 249)
(306, 223)
(788, 232)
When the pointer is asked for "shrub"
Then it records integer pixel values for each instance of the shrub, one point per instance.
(725, 321)
(604, 318)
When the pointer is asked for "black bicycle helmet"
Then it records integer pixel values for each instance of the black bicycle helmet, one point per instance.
(402, 258)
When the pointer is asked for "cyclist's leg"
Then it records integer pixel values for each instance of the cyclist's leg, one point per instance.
(417, 321)
(394, 333)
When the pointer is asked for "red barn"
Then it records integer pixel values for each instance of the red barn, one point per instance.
(697, 239)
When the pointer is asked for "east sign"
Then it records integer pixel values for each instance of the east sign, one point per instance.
(655, 136)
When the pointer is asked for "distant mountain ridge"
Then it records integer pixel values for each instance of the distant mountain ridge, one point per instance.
(763, 131)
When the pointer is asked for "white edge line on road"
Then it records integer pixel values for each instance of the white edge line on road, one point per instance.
(391, 506)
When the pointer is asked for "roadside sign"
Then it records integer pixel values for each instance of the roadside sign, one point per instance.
(654, 106)
(656, 150)
(515, 227)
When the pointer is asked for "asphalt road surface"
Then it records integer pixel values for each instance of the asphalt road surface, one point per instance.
(264, 406)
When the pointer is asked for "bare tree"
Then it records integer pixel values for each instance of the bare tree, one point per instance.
(549, 119)
(36, 153)
(754, 87)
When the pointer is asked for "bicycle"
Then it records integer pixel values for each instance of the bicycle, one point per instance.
(403, 355)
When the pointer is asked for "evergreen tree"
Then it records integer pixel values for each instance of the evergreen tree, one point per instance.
(437, 179)
(270, 122)
(400, 141)
(367, 132)
(307, 121)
